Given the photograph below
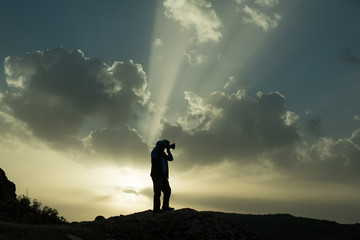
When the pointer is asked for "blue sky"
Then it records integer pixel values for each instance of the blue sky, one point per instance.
(265, 92)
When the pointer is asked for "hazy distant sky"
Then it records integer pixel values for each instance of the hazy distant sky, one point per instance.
(261, 97)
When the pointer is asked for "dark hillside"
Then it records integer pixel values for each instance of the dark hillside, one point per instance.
(285, 226)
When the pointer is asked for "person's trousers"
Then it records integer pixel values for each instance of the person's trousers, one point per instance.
(161, 184)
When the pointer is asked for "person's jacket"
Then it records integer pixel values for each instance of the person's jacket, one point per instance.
(158, 158)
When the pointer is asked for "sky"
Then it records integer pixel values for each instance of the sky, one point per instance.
(261, 98)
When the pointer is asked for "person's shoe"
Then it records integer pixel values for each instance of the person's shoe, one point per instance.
(168, 209)
(158, 211)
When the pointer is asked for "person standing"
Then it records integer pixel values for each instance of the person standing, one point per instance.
(160, 174)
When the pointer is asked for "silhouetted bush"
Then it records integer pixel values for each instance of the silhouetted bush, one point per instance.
(32, 212)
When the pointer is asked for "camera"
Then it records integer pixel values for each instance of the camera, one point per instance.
(172, 146)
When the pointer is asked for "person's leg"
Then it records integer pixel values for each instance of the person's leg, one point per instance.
(157, 182)
(167, 192)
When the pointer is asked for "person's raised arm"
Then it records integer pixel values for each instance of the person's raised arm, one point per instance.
(169, 155)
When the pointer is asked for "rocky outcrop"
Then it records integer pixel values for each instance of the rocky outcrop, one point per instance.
(179, 224)
(7, 188)
(8, 201)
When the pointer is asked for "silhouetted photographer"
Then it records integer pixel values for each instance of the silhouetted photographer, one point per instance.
(160, 174)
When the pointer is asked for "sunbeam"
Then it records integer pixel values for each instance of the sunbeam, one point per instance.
(179, 62)
(166, 59)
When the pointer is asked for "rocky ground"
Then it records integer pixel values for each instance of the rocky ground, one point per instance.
(179, 224)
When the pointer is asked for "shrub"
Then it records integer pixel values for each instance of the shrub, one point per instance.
(33, 212)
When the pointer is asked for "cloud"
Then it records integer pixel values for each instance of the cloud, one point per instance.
(314, 127)
(194, 58)
(260, 13)
(333, 160)
(117, 143)
(237, 127)
(197, 14)
(248, 130)
(229, 82)
(54, 92)
(356, 118)
(261, 3)
(131, 191)
(200, 114)
(260, 19)
(11, 130)
(267, 3)
(158, 42)
(355, 138)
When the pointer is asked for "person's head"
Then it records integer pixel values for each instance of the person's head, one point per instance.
(163, 144)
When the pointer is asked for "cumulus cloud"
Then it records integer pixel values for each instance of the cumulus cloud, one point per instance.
(11, 129)
(116, 143)
(236, 127)
(259, 13)
(229, 82)
(333, 160)
(267, 3)
(199, 115)
(197, 14)
(194, 58)
(260, 19)
(258, 130)
(54, 92)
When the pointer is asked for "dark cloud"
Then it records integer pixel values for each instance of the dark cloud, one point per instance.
(235, 127)
(52, 95)
(115, 143)
(314, 127)
(332, 160)
(55, 91)
(246, 129)
(6, 124)
(11, 130)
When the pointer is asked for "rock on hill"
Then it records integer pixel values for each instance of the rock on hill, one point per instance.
(8, 199)
(7, 188)
(180, 224)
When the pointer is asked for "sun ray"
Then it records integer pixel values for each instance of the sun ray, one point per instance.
(234, 55)
(166, 58)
